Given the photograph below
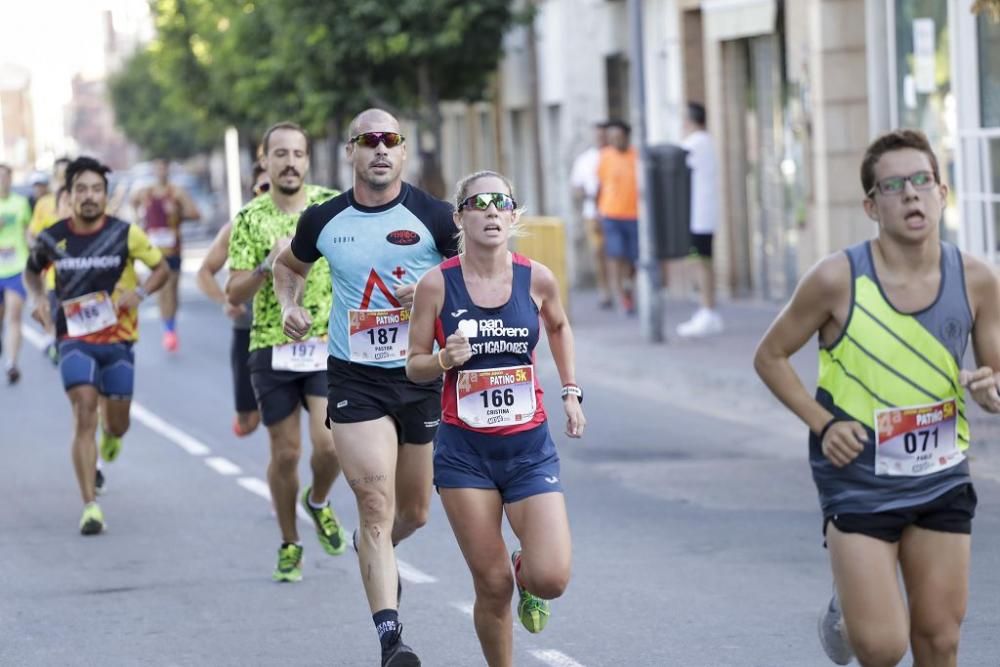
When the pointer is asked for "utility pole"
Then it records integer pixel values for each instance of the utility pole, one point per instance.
(234, 188)
(648, 271)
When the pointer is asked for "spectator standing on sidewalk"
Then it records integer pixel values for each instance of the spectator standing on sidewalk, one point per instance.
(704, 218)
(618, 206)
(583, 179)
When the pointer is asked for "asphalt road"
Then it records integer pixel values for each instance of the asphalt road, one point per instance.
(696, 543)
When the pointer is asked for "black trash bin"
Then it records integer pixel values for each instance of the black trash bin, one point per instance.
(669, 180)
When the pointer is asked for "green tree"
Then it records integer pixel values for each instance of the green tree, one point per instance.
(152, 116)
(406, 56)
(248, 63)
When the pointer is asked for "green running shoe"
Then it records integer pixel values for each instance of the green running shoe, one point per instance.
(110, 446)
(328, 529)
(533, 611)
(92, 521)
(289, 563)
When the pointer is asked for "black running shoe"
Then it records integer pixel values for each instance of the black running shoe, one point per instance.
(399, 654)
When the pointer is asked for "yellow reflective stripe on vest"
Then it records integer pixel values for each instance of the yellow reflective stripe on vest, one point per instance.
(884, 359)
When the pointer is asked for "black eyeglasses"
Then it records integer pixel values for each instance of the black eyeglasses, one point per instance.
(261, 188)
(373, 139)
(894, 185)
(501, 200)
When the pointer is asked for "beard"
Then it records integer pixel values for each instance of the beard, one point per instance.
(90, 214)
(289, 189)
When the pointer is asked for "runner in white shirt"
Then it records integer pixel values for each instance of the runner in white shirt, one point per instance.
(583, 179)
(704, 218)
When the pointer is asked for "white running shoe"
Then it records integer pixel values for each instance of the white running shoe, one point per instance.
(703, 323)
(833, 634)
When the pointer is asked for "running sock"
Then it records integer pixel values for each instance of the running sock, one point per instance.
(316, 506)
(386, 624)
(170, 324)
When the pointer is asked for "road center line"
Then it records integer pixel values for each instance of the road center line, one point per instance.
(554, 658)
(256, 486)
(464, 607)
(223, 466)
(189, 444)
(413, 575)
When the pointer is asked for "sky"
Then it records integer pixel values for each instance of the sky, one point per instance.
(56, 39)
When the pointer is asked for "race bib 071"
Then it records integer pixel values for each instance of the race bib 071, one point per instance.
(917, 440)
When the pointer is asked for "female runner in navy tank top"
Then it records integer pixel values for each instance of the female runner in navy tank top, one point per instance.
(493, 452)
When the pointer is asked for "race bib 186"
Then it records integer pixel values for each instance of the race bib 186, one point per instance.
(917, 440)
(378, 335)
(306, 356)
(496, 396)
(89, 314)
(7, 254)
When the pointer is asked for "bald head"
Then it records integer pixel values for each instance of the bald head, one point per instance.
(373, 120)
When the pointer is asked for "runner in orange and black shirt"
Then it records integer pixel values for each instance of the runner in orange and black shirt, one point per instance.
(97, 320)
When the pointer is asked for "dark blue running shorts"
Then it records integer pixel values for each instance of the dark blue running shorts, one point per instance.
(108, 366)
(518, 466)
(13, 284)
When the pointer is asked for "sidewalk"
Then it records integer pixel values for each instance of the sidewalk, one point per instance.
(715, 376)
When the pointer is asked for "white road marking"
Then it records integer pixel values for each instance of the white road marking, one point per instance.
(223, 466)
(256, 486)
(189, 444)
(34, 336)
(554, 658)
(464, 607)
(260, 488)
(412, 574)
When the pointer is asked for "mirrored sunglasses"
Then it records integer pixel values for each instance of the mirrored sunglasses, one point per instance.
(373, 139)
(482, 201)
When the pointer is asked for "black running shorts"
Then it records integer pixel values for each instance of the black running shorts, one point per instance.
(359, 393)
(951, 512)
(279, 392)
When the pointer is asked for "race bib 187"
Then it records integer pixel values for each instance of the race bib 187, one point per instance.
(378, 335)
(306, 356)
(89, 314)
(496, 396)
(917, 440)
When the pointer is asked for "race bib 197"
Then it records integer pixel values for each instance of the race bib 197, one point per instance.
(496, 396)
(7, 254)
(917, 440)
(378, 335)
(307, 356)
(89, 314)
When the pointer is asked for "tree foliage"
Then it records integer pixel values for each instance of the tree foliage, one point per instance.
(152, 116)
(249, 63)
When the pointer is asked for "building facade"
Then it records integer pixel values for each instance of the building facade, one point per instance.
(795, 90)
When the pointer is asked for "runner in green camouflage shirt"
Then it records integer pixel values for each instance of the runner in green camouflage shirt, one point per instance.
(257, 227)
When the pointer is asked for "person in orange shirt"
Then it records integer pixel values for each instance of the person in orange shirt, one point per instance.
(618, 206)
